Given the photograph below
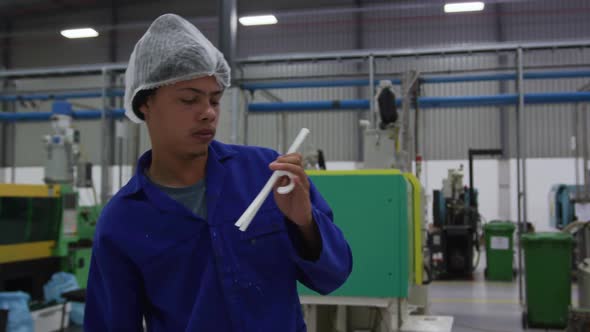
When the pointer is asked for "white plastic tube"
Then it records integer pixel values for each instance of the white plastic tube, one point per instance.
(251, 211)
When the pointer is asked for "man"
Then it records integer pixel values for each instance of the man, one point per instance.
(166, 248)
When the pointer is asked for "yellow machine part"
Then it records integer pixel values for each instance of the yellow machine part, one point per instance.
(417, 199)
(29, 250)
(29, 190)
(26, 251)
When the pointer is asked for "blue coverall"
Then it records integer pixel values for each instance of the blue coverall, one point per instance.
(154, 258)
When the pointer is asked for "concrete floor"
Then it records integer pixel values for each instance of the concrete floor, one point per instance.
(477, 306)
(480, 305)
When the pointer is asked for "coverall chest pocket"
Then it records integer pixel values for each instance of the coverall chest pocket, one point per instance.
(264, 243)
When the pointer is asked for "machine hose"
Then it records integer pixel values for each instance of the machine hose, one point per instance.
(428, 275)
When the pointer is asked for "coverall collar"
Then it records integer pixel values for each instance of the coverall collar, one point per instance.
(218, 153)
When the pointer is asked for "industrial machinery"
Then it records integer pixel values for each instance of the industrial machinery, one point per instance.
(380, 209)
(457, 224)
(392, 143)
(569, 210)
(562, 204)
(380, 213)
(564, 200)
(456, 228)
(314, 160)
(43, 228)
(388, 143)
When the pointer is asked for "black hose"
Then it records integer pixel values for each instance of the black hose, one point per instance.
(428, 275)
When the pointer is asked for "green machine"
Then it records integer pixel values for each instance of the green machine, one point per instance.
(380, 214)
(43, 229)
(43, 232)
(76, 235)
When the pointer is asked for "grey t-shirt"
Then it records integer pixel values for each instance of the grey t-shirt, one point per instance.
(192, 197)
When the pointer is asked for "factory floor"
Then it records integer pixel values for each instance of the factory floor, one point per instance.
(479, 305)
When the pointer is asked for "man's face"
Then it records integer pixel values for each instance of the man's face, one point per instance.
(182, 117)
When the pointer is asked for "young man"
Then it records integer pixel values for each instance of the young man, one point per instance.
(166, 248)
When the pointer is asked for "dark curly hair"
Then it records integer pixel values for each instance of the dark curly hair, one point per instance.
(141, 97)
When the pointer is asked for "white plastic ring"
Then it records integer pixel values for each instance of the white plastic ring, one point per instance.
(288, 188)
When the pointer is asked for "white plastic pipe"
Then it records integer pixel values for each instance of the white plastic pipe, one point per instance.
(251, 211)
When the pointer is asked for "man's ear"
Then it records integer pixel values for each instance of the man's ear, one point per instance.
(145, 108)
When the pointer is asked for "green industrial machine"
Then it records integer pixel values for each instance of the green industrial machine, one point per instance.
(380, 209)
(77, 232)
(43, 229)
(380, 214)
(43, 232)
(373, 210)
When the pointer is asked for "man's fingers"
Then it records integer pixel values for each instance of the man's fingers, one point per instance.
(295, 169)
(292, 158)
(291, 163)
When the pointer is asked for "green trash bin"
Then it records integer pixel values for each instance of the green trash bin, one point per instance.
(499, 251)
(548, 279)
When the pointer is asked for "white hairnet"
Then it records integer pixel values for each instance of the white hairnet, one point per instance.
(172, 50)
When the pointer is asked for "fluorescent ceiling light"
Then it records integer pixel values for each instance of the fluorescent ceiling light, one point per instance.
(79, 33)
(258, 20)
(464, 7)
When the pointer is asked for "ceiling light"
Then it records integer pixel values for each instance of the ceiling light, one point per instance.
(79, 33)
(258, 20)
(464, 7)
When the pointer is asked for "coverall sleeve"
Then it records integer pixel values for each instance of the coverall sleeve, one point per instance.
(334, 264)
(114, 297)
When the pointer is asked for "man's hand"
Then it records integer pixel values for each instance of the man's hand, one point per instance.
(296, 205)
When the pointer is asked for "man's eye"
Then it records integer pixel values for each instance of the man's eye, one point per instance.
(188, 101)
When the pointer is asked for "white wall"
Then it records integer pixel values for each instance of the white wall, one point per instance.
(541, 175)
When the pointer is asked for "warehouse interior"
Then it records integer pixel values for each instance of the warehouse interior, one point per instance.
(473, 123)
